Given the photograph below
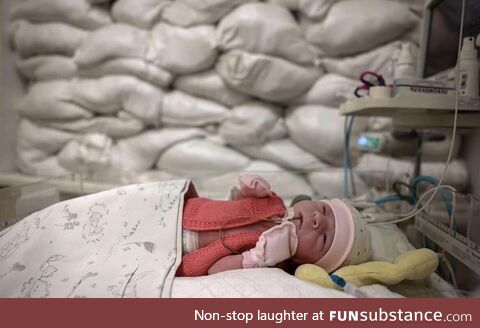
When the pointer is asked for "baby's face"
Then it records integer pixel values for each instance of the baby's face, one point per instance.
(315, 229)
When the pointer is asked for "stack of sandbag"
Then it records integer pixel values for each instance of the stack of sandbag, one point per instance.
(45, 35)
(135, 90)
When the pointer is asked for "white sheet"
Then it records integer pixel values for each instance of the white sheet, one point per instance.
(262, 283)
(124, 242)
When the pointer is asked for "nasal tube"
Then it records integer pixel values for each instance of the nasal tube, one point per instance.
(469, 68)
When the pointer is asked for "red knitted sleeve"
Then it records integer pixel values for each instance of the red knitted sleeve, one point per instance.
(197, 263)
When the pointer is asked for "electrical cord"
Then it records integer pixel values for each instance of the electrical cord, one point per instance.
(455, 119)
(414, 211)
(442, 257)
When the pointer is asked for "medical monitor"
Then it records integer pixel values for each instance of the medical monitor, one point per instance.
(441, 26)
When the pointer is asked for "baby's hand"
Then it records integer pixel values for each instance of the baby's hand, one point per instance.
(254, 186)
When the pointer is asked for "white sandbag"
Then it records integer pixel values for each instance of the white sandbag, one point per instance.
(30, 40)
(330, 90)
(90, 153)
(432, 151)
(252, 123)
(329, 183)
(266, 29)
(78, 99)
(201, 158)
(98, 153)
(122, 126)
(320, 130)
(197, 12)
(210, 85)
(370, 166)
(75, 12)
(110, 42)
(290, 4)
(265, 77)
(40, 142)
(353, 26)
(180, 108)
(153, 176)
(52, 101)
(130, 66)
(378, 60)
(176, 49)
(184, 50)
(44, 68)
(286, 184)
(380, 123)
(284, 153)
(36, 148)
(47, 167)
(110, 94)
(141, 13)
(141, 152)
(315, 9)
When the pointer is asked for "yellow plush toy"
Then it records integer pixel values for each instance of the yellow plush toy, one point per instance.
(413, 265)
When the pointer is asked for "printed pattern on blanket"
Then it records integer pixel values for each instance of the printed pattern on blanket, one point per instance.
(124, 242)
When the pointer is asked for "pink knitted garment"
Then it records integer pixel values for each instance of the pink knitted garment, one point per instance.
(200, 214)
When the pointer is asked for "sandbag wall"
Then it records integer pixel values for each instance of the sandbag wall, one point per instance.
(137, 90)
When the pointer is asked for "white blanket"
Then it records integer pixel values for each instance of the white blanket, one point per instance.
(125, 242)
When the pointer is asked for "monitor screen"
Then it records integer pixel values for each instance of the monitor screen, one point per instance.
(443, 26)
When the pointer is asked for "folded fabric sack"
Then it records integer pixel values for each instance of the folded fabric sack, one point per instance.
(329, 182)
(141, 13)
(378, 60)
(353, 26)
(47, 167)
(178, 50)
(99, 153)
(330, 90)
(266, 29)
(253, 123)
(75, 12)
(284, 153)
(122, 126)
(180, 108)
(284, 183)
(129, 66)
(198, 12)
(36, 147)
(36, 39)
(320, 130)
(110, 94)
(210, 85)
(377, 170)
(91, 152)
(79, 99)
(315, 9)
(269, 78)
(51, 101)
(198, 157)
(44, 68)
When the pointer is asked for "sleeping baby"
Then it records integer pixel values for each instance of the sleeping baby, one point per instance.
(255, 230)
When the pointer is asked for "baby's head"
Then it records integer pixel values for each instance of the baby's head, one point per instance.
(331, 234)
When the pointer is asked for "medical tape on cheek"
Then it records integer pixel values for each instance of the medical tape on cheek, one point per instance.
(289, 215)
